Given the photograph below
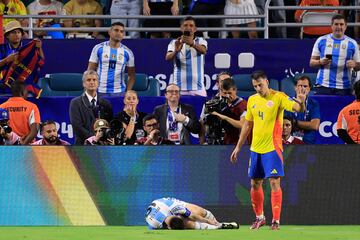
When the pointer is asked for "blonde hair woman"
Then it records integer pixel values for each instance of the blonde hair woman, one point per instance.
(131, 118)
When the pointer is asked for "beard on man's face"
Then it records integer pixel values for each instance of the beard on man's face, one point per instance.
(51, 139)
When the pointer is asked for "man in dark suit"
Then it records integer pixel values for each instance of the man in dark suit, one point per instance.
(176, 120)
(88, 107)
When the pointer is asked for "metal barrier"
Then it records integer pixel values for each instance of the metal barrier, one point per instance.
(264, 17)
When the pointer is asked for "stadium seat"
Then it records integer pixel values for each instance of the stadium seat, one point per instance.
(317, 17)
(62, 84)
(274, 84)
(70, 84)
(145, 86)
(244, 85)
(287, 86)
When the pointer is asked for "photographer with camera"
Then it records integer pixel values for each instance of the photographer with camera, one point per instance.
(7, 136)
(151, 127)
(348, 123)
(219, 78)
(101, 129)
(230, 110)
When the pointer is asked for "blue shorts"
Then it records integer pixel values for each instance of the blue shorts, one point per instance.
(265, 165)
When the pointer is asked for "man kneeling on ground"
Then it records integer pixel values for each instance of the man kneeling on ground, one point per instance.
(174, 214)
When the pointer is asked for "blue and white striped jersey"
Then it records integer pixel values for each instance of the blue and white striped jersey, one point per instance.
(111, 66)
(337, 75)
(188, 66)
(162, 208)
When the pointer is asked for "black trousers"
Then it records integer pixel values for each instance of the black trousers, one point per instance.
(208, 9)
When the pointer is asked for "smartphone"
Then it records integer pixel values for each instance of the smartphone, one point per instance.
(186, 33)
(328, 56)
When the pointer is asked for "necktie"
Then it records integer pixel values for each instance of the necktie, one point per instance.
(93, 105)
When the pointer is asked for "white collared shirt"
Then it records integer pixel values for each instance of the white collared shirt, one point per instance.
(91, 98)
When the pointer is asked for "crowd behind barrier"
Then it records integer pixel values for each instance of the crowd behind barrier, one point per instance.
(292, 60)
(274, 18)
(279, 58)
(57, 108)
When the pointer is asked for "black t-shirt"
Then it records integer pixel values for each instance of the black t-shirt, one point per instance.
(138, 130)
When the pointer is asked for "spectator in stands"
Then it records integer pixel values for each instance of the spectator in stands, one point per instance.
(13, 33)
(315, 32)
(46, 7)
(126, 8)
(276, 16)
(188, 54)
(219, 78)
(155, 7)
(50, 135)
(88, 107)
(131, 118)
(208, 7)
(83, 7)
(287, 137)
(233, 115)
(351, 16)
(7, 136)
(348, 123)
(24, 115)
(100, 138)
(335, 55)
(13, 7)
(244, 7)
(110, 59)
(151, 127)
(176, 120)
(306, 124)
(172, 213)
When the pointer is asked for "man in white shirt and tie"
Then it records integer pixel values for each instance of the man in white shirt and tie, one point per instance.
(85, 109)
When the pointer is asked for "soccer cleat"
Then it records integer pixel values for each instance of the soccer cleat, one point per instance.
(259, 222)
(275, 226)
(229, 225)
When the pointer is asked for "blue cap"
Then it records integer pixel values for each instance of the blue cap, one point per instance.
(4, 114)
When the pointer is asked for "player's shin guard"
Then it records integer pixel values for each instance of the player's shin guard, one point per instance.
(205, 226)
(276, 201)
(257, 200)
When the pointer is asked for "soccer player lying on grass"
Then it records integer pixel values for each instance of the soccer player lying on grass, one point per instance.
(171, 213)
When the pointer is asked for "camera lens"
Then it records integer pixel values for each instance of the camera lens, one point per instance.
(7, 129)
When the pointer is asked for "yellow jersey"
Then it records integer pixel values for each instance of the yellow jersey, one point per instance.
(14, 7)
(267, 114)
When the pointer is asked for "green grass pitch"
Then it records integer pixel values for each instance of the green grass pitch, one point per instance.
(123, 233)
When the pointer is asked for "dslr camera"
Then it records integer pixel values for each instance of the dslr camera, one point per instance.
(214, 131)
(7, 129)
(115, 131)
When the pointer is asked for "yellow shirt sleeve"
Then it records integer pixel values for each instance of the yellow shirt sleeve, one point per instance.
(287, 103)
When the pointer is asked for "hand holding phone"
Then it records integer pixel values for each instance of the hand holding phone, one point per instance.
(328, 56)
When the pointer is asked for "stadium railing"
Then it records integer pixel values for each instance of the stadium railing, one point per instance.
(264, 17)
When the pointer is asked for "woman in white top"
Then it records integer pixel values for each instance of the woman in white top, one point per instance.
(241, 7)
